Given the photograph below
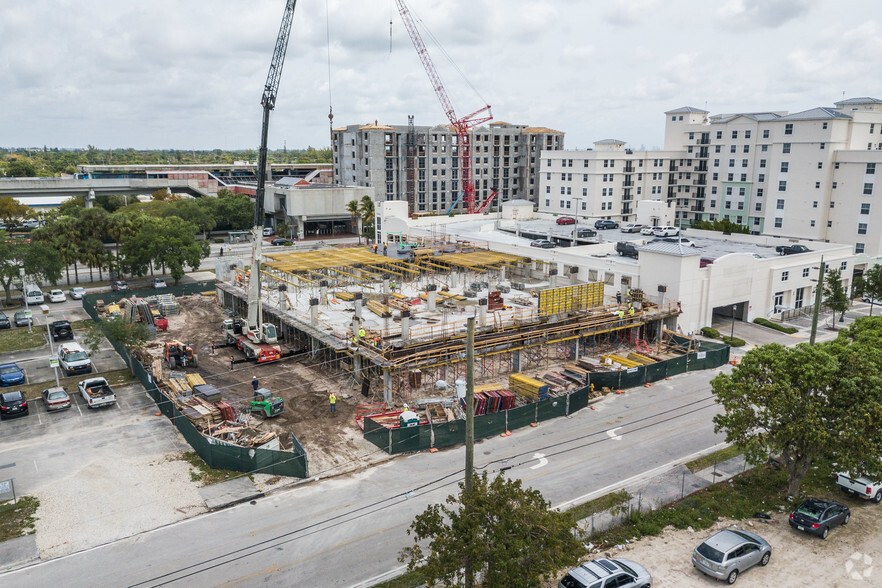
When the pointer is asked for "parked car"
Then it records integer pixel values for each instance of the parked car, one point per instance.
(648, 230)
(602, 572)
(159, 283)
(565, 220)
(729, 553)
(583, 233)
(56, 398)
(682, 240)
(791, 249)
(61, 330)
(77, 292)
(868, 299)
(13, 404)
(119, 286)
(21, 319)
(631, 228)
(4, 321)
(627, 249)
(860, 486)
(543, 243)
(606, 224)
(666, 231)
(57, 296)
(267, 231)
(11, 375)
(818, 515)
(705, 261)
(281, 241)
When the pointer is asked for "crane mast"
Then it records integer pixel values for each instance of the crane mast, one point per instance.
(270, 91)
(461, 125)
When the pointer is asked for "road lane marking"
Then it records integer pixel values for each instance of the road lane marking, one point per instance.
(612, 434)
(542, 461)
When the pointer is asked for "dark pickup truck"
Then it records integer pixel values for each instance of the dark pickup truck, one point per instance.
(626, 249)
(791, 249)
(61, 330)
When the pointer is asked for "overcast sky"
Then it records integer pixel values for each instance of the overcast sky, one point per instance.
(189, 74)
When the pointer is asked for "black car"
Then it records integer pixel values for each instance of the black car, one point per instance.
(818, 515)
(13, 404)
(22, 320)
(606, 224)
(281, 241)
(61, 330)
(4, 321)
(584, 233)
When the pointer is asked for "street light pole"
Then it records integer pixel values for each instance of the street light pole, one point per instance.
(732, 335)
(817, 308)
(46, 311)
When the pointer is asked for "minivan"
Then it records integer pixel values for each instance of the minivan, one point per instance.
(31, 294)
(73, 359)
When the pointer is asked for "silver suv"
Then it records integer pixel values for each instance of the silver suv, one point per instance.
(729, 553)
(607, 573)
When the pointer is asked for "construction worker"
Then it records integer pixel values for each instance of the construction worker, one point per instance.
(621, 314)
(361, 333)
(231, 363)
(333, 400)
(385, 248)
(618, 297)
(630, 311)
(222, 251)
(376, 341)
(375, 247)
(393, 285)
(255, 383)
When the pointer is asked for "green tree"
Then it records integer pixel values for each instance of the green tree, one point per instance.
(723, 225)
(129, 335)
(120, 226)
(353, 207)
(283, 229)
(234, 212)
(66, 237)
(509, 533)
(21, 168)
(72, 206)
(190, 211)
(169, 242)
(805, 403)
(871, 285)
(40, 261)
(11, 210)
(835, 296)
(367, 211)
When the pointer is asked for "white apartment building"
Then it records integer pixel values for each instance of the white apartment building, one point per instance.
(421, 164)
(606, 182)
(807, 175)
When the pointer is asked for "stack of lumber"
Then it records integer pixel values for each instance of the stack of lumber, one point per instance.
(167, 304)
(178, 383)
(556, 379)
(228, 412)
(640, 358)
(398, 303)
(528, 387)
(493, 401)
(201, 413)
(591, 366)
(249, 437)
(379, 309)
(194, 380)
(576, 373)
(343, 295)
(622, 361)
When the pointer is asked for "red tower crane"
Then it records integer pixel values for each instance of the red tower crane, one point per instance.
(461, 125)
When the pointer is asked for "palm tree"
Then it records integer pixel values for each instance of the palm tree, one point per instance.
(120, 226)
(352, 207)
(67, 239)
(367, 210)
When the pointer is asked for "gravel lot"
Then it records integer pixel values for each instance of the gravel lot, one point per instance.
(108, 500)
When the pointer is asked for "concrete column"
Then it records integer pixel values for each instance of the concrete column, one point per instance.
(283, 300)
(313, 311)
(430, 296)
(386, 286)
(387, 386)
(357, 303)
(356, 325)
(356, 365)
(405, 326)
(482, 311)
(323, 291)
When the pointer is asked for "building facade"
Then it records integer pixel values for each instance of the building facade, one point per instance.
(421, 164)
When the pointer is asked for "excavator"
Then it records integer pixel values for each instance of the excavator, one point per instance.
(256, 339)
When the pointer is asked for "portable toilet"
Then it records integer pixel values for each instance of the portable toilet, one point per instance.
(408, 418)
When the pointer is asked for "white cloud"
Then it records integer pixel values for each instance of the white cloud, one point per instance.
(746, 14)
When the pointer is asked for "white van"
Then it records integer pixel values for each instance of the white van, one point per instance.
(73, 359)
(31, 294)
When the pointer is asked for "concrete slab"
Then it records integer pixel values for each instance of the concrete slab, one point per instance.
(18, 551)
(723, 470)
(230, 492)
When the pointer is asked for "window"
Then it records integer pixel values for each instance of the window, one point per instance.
(716, 163)
(782, 186)
(734, 134)
(731, 163)
(834, 185)
(743, 177)
(843, 266)
(862, 228)
(779, 205)
(743, 163)
(779, 299)
(871, 169)
(836, 165)
(824, 126)
(759, 193)
(865, 208)
(756, 221)
(785, 276)
(561, 203)
(785, 148)
(758, 206)
(742, 191)
(713, 203)
(733, 148)
(547, 202)
(761, 178)
(823, 145)
(584, 191)
(746, 149)
(762, 163)
(764, 148)
(765, 133)
(728, 190)
(740, 207)
(788, 129)
(817, 185)
(778, 222)
(785, 167)
(858, 247)
(832, 204)
(717, 148)
(719, 134)
(746, 135)
(868, 188)
(829, 224)
(728, 204)
(730, 177)
(811, 223)
(715, 176)
(548, 189)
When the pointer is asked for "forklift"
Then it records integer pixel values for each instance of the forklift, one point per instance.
(266, 404)
(179, 354)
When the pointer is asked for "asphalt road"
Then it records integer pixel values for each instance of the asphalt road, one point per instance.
(347, 531)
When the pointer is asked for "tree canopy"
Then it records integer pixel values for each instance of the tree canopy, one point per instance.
(510, 534)
(835, 296)
(808, 402)
(871, 285)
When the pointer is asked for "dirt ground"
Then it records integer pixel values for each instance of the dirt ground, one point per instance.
(333, 442)
(851, 555)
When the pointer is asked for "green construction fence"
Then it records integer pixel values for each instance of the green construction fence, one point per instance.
(215, 453)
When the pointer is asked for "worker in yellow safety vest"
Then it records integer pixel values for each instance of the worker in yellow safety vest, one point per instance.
(621, 314)
(361, 334)
(631, 311)
(333, 399)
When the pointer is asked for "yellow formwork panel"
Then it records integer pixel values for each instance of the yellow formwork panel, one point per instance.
(569, 298)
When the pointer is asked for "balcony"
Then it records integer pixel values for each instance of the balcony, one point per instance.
(629, 169)
(628, 184)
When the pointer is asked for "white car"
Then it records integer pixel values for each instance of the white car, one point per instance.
(77, 292)
(57, 296)
(648, 230)
(665, 231)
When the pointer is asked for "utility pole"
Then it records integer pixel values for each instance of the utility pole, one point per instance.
(817, 308)
(470, 434)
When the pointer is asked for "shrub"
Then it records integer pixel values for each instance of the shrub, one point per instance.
(218, 240)
(710, 332)
(776, 326)
(734, 341)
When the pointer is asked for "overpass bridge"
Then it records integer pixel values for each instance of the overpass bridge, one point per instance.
(45, 191)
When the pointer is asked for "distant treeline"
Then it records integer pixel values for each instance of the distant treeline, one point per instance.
(52, 161)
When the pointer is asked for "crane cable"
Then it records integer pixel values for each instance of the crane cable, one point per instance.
(330, 98)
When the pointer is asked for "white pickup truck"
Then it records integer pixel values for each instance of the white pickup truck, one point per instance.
(861, 486)
(97, 392)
